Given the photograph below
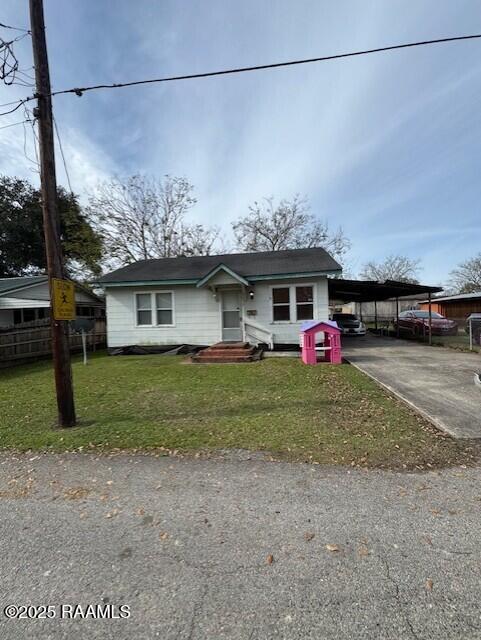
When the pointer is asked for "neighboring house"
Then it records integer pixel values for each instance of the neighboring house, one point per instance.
(457, 307)
(257, 297)
(26, 299)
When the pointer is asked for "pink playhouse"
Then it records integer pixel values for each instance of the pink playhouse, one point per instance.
(331, 347)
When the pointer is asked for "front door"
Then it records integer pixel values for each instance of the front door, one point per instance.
(231, 316)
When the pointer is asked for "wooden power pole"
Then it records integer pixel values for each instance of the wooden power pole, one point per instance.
(51, 223)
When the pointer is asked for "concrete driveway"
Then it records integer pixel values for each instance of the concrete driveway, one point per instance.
(239, 549)
(437, 381)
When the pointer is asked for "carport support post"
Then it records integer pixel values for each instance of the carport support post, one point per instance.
(375, 315)
(397, 317)
(430, 319)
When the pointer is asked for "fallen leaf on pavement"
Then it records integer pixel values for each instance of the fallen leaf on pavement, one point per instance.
(163, 535)
(363, 551)
(429, 584)
(332, 547)
(270, 559)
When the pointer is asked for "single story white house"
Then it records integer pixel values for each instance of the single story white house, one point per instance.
(27, 299)
(261, 298)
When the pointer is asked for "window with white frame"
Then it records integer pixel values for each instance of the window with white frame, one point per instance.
(164, 308)
(144, 308)
(304, 303)
(281, 304)
(155, 309)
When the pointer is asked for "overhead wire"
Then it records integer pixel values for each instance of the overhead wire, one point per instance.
(275, 65)
(13, 124)
(62, 154)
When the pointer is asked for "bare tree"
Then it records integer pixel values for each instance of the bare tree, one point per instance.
(286, 225)
(466, 278)
(141, 218)
(394, 267)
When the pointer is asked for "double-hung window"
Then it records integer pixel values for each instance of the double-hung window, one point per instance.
(281, 304)
(164, 308)
(154, 309)
(304, 303)
(293, 303)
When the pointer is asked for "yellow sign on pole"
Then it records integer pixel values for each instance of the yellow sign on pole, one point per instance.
(63, 299)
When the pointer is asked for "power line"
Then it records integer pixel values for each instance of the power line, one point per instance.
(20, 102)
(80, 90)
(7, 104)
(62, 154)
(7, 26)
(14, 124)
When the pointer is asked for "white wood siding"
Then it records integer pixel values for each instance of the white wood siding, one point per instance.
(287, 332)
(198, 317)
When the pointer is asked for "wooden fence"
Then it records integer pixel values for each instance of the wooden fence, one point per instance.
(29, 343)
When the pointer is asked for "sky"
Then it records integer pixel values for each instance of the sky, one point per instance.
(386, 146)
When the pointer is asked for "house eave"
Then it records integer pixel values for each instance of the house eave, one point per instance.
(197, 282)
(144, 283)
(285, 276)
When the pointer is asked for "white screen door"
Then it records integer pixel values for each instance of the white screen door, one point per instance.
(231, 316)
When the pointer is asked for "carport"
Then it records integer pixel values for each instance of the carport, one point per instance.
(346, 291)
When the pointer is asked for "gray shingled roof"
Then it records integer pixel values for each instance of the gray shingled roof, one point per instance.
(8, 285)
(12, 284)
(248, 265)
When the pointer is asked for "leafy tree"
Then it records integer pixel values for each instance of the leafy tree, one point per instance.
(466, 278)
(287, 225)
(22, 245)
(400, 268)
(141, 218)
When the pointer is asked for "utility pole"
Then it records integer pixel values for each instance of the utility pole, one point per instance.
(51, 223)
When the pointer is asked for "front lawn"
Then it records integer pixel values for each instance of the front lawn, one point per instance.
(326, 414)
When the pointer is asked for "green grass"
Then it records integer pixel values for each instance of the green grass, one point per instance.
(460, 342)
(325, 414)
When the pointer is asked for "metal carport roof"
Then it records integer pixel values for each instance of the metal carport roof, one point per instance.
(372, 290)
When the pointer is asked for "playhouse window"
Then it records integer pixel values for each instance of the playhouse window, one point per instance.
(144, 308)
(281, 304)
(304, 303)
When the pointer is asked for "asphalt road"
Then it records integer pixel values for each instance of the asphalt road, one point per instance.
(239, 548)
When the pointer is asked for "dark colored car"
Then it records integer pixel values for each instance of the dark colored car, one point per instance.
(349, 324)
(417, 323)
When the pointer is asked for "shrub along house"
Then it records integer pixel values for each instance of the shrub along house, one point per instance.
(260, 298)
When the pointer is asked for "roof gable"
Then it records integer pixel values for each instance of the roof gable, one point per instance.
(218, 269)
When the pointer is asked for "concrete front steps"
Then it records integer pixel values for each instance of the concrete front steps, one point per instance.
(223, 352)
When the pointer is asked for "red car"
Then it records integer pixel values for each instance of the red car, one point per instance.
(417, 323)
